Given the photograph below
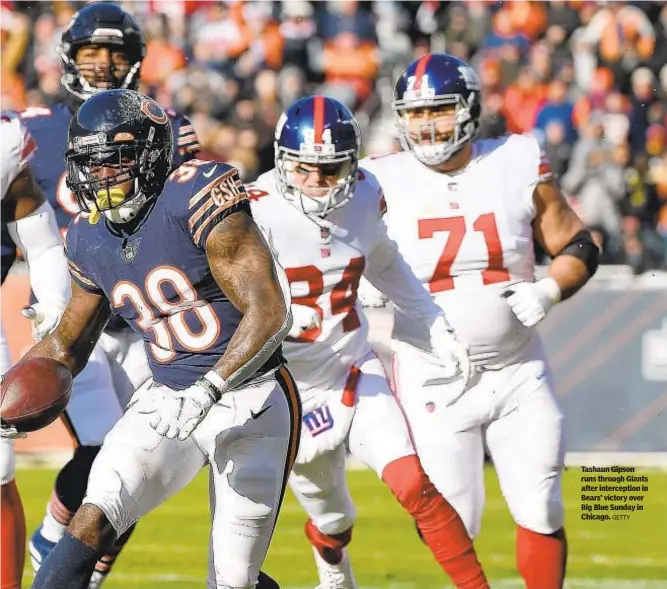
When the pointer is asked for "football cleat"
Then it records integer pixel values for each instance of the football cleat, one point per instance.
(97, 579)
(39, 548)
(335, 576)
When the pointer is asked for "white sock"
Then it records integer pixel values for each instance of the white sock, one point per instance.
(52, 529)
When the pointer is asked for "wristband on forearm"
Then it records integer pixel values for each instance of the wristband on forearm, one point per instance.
(214, 384)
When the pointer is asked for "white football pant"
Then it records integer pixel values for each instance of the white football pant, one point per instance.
(249, 457)
(377, 435)
(513, 411)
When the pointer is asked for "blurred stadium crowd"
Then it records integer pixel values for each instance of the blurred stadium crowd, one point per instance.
(589, 78)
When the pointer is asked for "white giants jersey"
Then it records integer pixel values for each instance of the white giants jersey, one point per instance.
(467, 237)
(324, 265)
(16, 148)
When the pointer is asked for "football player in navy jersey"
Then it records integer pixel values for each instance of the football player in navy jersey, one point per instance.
(178, 256)
(101, 48)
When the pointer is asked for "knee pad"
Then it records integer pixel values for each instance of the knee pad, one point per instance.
(7, 461)
(108, 491)
(255, 497)
(323, 541)
(541, 518)
(409, 483)
(72, 479)
(335, 523)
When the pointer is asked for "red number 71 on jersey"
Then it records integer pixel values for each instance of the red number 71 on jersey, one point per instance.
(456, 227)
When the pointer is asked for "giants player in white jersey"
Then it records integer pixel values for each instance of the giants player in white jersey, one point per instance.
(27, 222)
(464, 214)
(322, 216)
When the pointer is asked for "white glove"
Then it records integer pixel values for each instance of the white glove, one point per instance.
(9, 432)
(177, 413)
(531, 301)
(303, 319)
(369, 296)
(44, 319)
(450, 351)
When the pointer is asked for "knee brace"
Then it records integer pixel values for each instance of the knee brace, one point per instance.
(541, 518)
(72, 480)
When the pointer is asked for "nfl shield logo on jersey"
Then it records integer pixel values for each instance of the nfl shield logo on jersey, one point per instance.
(130, 251)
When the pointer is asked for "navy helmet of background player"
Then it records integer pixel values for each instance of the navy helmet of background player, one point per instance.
(437, 105)
(101, 24)
(101, 48)
(317, 132)
(135, 143)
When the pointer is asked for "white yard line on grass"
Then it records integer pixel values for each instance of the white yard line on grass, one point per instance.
(602, 559)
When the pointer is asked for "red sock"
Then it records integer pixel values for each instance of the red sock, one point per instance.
(440, 526)
(13, 537)
(330, 546)
(541, 558)
(105, 564)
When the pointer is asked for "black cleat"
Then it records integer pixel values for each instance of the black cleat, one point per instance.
(266, 582)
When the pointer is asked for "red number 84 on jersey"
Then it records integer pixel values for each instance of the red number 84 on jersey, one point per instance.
(343, 295)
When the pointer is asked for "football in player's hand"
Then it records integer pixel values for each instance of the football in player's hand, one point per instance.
(34, 393)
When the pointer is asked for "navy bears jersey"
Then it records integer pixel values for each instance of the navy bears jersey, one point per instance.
(159, 279)
(49, 127)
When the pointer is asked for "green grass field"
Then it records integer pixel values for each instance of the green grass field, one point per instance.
(169, 548)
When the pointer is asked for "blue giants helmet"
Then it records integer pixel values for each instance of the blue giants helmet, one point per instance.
(434, 81)
(318, 131)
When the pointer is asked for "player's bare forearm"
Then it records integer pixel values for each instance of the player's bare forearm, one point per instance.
(24, 197)
(244, 268)
(72, 342)
(555, 227)
(570, 274)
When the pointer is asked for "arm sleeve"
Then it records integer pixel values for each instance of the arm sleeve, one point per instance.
(214, 197)
(37, 236)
